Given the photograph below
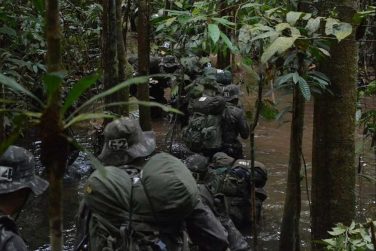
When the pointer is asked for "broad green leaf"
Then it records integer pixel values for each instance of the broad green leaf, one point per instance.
(87, 116)
(228, 42)
(169, 21)
(313, 25)
(307, 16)
(265, 35)
(342, 30)
(330, 22)
(279, 46)
(331, 242)
(292, 17)
(16, 87)
(125, 84)
(339, 29)
(283, 79)
(178, 4)
(223, 21)
(214, 32)
(322, 83)
(78, 89)
(337, 231)
(320, 75)
(304, 88)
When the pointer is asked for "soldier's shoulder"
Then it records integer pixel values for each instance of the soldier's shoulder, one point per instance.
(9, 237)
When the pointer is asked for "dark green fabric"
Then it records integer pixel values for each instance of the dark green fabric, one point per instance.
(209, 105)
(107, 193)
(203, 132)
(170, 187)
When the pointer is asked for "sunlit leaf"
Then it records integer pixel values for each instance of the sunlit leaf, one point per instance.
(279, 46)
(214, 32)
(292, 17)
(313, 25)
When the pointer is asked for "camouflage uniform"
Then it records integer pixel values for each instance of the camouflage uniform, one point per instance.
(17, 171)
(234, 123)
(126, 146)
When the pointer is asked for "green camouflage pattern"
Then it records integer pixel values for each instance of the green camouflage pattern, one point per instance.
(10, 239)
(17, 171)
(203, 132)
(125, 141)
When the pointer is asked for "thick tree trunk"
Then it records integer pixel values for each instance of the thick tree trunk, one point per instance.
(54, 149)
(122, 58)
(111, 63)
(290, 238)
(333, 155)
(144, 61)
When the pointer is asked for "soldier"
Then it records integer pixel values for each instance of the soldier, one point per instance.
(234, 123)
(17, 181)
(129, 148)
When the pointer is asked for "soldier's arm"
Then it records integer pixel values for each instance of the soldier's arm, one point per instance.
(205, 230)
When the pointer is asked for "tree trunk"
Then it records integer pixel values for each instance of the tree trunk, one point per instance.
(333, 155)
(224, 56)
(54, 148)
(143, 62)
(290, 239)
(122, 58)
(111, 63)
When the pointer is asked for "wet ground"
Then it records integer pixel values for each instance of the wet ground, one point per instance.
(272, 148)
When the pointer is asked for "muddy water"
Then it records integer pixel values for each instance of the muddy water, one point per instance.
(272, 148)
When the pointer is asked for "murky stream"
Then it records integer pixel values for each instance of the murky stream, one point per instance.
(272, 142)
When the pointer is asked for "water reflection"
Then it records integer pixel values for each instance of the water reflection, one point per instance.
(272, 142)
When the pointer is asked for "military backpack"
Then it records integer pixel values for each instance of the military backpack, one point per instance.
(204, 129)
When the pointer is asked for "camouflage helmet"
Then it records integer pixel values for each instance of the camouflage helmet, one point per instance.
(197, 163)
(231, 92)
(221, 159)
(17, 171)
(124, 141)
